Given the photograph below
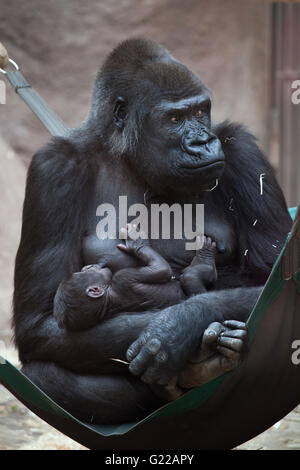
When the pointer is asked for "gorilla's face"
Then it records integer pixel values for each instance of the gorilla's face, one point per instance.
(164, 109)
(179, 151)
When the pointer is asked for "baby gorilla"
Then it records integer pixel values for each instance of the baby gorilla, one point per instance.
(82, 301)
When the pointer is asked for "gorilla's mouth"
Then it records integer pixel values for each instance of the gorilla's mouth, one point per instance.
(199, 165)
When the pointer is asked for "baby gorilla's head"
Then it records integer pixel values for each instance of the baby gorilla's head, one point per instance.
(95, 280)
(80, 301)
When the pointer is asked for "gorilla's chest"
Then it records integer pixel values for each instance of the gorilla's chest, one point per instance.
(107, 217)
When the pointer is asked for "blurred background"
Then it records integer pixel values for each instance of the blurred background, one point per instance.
(246, 51)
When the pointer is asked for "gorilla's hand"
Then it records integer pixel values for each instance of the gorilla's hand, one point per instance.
(164, 347)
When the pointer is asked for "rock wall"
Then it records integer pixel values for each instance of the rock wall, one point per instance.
(60, 45)
(12, 185)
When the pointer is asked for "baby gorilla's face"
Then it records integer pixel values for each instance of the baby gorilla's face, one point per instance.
(95, 280)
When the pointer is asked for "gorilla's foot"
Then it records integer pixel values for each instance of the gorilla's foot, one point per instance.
(206, 254)
(201, 274)
(221, 351)
(169, 392)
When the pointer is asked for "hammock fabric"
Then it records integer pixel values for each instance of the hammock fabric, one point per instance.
(224, 412)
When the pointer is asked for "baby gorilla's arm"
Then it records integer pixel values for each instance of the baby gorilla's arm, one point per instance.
(155, 269)
(145, 287)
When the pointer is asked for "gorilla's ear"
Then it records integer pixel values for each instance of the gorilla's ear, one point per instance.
(95, 291)
(120, 112)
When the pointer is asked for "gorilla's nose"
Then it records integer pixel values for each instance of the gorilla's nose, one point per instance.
(193, 141)
(91, 267)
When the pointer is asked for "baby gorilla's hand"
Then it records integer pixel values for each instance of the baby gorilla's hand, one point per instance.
(133, 240)
(221, 351)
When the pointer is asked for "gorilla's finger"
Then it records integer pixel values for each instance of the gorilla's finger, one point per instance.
(232, 343)
(150, 376)
(123, 247)
(209, 342)
(153, 346)
(123, 233)
(215, 326)
(135, 348)
(241, 334)
(155, 375)
(212, 331)
(235, 325)
(161, 357)
(229, 354)
(139, 363)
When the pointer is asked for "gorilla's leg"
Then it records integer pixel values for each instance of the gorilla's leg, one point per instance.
(202, 272)
(94, 398)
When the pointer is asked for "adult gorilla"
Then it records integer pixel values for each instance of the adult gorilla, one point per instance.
(148, 131)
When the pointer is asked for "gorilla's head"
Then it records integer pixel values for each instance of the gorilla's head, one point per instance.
(153, 111)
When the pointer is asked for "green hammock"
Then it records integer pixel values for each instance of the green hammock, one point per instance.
(224, 412)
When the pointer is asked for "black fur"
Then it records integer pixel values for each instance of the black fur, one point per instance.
(240, 191)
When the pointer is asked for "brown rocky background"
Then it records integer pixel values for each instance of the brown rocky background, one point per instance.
(59, 45)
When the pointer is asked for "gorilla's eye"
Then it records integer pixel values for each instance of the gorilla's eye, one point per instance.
(122, 113)
(199, 113)
(174, 119)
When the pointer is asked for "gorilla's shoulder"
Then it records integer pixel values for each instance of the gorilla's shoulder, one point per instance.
(237, 139)
(58, 166)
(251, 197)
(244, 159)
(227, 129)
(248, 175)
(57, 151)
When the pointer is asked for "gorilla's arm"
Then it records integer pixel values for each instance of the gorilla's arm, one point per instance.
(162, 351)
(178, 329)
